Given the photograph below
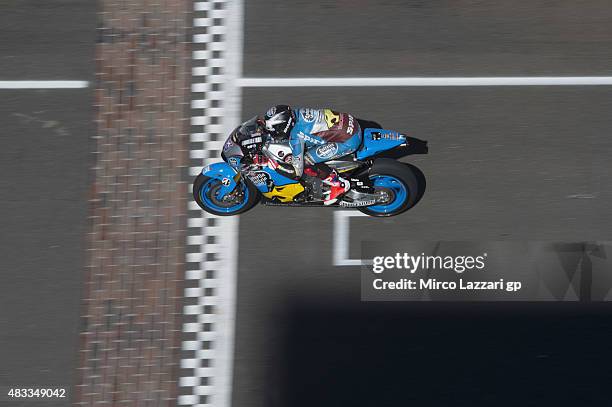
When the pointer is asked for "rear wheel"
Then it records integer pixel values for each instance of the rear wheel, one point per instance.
(243, 198)
(397, 184)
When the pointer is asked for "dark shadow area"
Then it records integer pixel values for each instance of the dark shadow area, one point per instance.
(445, 354)
(422, 182)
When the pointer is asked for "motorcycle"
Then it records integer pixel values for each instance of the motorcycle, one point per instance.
(379, 184)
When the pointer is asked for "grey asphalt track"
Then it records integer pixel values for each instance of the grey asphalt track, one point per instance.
(47, 40)
(45, 156)
(422, 38)
(519, 163)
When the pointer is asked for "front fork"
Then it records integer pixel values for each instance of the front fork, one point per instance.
(228, 186)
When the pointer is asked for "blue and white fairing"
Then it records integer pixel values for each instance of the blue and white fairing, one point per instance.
(376, 141)
(266, 179)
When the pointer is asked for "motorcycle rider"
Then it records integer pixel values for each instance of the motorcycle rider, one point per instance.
(316, 136)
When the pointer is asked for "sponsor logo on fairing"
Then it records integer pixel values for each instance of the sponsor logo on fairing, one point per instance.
(251, 141)
(388, 135)
(229, 143)
(233, 161)
(259, 178)
(327, 150)
(225, 181)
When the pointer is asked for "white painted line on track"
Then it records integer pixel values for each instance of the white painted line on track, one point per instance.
(342, 238)
(43, 84)
(428, 81)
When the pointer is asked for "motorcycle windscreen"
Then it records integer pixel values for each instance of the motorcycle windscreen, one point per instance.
(377, 140)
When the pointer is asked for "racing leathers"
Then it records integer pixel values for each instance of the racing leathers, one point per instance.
(321, 135)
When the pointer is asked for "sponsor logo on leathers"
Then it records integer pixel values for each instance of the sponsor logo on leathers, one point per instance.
(344, 127)
(306, 137)
(308, 115)
(327, 150)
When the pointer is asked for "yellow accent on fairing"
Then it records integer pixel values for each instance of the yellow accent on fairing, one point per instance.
(285, 193)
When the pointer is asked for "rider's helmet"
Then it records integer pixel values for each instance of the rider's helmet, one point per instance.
(279, 120)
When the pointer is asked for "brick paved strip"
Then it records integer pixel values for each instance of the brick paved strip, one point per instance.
(132, 306)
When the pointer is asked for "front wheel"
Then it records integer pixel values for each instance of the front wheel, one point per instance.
(243, 198)
(396, 184)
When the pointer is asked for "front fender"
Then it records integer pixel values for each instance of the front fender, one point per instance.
(224, 173)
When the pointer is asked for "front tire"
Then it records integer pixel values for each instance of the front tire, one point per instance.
(398, 182)
(204, 189)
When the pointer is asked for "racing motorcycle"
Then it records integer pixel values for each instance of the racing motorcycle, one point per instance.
(379, 185)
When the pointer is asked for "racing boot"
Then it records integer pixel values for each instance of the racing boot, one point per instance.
(310, 171)
(337, 187)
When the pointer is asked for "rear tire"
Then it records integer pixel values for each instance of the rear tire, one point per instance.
(397, 180)
(202, 181)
